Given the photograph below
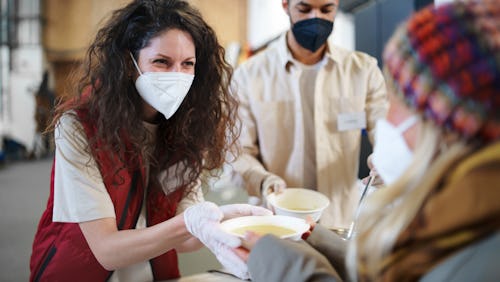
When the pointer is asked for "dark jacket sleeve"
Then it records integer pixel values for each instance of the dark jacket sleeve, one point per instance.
(274, 259)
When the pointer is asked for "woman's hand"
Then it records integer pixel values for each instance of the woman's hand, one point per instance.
(203, 221)
(237, 210)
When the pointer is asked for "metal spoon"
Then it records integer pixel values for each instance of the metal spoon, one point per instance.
(363, 194)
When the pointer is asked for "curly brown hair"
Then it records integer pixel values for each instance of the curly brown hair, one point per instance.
(202, 130)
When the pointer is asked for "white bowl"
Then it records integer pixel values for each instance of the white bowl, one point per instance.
(298, 202)
(285, 227)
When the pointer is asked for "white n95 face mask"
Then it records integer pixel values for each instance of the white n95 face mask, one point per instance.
(391, 154)
(164, 91)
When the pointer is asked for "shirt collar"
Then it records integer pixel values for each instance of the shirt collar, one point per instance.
(286, 58)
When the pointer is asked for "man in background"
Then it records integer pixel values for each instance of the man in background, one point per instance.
(303, 104)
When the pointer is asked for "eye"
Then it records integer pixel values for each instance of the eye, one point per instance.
(304, 9)
(189, 63)
(327, 10)
(160, 61)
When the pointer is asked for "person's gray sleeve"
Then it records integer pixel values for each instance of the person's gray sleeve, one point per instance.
(478, 262)
(331, 245)
(274, 259)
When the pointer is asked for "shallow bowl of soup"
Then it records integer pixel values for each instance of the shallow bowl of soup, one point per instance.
(284, 227)
(298, 202)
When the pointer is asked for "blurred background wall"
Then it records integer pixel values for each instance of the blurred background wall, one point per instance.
(41, 41)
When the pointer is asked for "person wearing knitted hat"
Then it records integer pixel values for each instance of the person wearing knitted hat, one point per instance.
(438, 152)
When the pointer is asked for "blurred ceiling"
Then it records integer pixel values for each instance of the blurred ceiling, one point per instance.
(350, 5)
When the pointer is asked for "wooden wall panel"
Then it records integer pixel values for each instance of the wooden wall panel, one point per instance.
(227, 17)
(70, 25)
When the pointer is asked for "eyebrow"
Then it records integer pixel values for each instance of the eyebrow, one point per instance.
(168, 57)
(301, 3)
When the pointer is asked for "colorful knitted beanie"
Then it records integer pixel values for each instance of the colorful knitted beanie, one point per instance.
(445, 61)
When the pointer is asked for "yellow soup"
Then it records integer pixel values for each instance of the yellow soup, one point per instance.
(265, 229)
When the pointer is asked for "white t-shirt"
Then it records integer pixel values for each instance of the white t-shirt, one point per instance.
(80, 194)
(307, 84)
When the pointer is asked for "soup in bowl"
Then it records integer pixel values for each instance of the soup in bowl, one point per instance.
(284, 227)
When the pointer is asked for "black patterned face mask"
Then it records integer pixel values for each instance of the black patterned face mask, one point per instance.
(312, 33)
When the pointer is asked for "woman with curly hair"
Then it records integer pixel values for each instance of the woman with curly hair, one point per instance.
(152, 113)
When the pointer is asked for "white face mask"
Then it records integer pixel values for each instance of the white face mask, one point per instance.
(164, 91)
(391, 154)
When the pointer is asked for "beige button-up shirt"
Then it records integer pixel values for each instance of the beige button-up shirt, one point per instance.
(348, 85)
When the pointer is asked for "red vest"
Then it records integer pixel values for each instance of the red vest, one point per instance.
(60, 251)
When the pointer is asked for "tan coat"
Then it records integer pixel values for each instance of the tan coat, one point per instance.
(272, 134)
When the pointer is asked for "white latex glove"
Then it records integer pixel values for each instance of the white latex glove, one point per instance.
(272, 183)
(203, 221)
(237, 210)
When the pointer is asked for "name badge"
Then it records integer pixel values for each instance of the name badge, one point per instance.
(350, 121)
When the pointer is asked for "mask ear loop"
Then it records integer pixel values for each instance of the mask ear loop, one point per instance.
(135, 63)
(409, 122)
